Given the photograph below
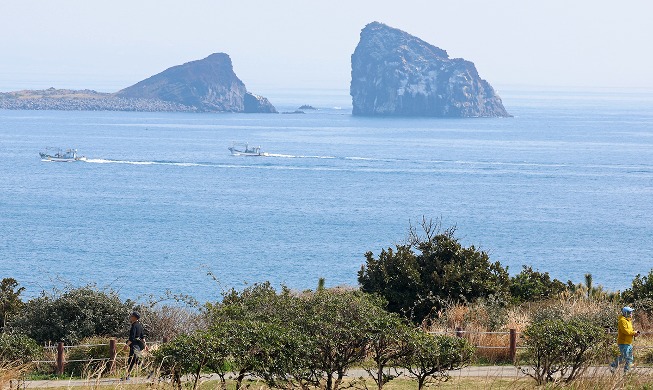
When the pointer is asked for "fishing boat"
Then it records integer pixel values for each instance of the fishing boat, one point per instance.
(60, 155)
(245, 150)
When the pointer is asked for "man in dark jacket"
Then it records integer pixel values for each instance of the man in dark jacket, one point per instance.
(135, 343)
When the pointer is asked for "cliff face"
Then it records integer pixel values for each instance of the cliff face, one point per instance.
(396, 74)
(209, 84)
(256, 103)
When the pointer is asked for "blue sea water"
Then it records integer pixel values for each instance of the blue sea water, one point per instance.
(565, 186)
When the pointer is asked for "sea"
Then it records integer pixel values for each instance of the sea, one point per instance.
(161, 208)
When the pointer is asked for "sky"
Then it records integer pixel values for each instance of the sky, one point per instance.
(292, 44)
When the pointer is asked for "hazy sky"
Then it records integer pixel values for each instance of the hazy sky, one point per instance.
(279, 44)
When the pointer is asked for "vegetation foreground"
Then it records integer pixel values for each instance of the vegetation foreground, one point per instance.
(426, 308)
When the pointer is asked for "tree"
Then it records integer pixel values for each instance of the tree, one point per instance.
(415, 278)
(278, 354)
(190, 354)
(588, 284)
(261, 328)
(73, 315)
(387, 345)
(430, 357)
(337, 323)
(10, 302)
(530, 285)
(641, 288)
(560, 349)
(17, 348)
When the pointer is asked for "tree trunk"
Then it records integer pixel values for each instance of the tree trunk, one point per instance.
(197, 377)
(379, 377)
(420, 383)
(338, 381)
(239, 380)
(329, 382)
(176, 380)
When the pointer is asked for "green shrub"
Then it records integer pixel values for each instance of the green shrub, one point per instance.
(561, 350)
(416, 278)
(10, 302)
(431, 357)
(642, 287)
(190, 354)
(16, 348)
(530, 286)
(73, 315)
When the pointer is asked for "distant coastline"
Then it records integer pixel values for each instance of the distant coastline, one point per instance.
(206, 85)
(84, 100)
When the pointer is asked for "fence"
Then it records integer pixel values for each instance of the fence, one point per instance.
(511, 346)
(60, 355)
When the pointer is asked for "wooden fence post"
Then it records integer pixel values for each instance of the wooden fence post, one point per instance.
(513, 345)
(112, 355)
(459, 332)
(60, 358)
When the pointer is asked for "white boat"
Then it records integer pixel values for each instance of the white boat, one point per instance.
(60, 155)
(245, 150)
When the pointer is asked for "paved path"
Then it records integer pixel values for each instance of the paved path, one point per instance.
(468, 372)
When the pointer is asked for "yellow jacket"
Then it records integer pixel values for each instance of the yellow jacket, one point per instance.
(626, 331)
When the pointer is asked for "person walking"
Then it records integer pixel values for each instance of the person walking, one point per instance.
(625, 336)
(135, 343)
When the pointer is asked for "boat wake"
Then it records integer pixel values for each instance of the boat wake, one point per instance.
(293, 156)
(178, 164)
(364, 164)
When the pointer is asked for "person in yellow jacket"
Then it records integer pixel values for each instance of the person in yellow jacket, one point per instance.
(625, 339)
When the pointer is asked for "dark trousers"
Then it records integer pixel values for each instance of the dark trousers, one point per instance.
(133, 357)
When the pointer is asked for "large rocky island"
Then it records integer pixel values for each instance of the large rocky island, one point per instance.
(396, 74)
(207, 85)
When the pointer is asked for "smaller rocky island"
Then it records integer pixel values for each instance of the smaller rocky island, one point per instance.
(396, 74)
(207, 85)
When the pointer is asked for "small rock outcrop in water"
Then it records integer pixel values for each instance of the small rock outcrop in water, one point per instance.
(396, 74)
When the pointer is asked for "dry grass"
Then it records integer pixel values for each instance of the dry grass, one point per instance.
(636, 381)
(12, 373)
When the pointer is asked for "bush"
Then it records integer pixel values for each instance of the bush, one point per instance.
(416, 278)
(530, 286)
(10, 303)
(431, 357)
(601, 313)
(642, 287)
(73, 315)
(170, 321)
(190, 354)
(561, 350)
(17, 348)
(291, 340)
